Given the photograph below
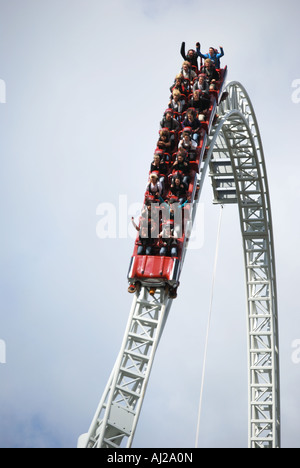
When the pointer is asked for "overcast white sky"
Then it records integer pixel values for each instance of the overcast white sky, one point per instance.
(87, 82)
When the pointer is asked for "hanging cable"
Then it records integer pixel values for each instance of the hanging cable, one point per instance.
(208, 326)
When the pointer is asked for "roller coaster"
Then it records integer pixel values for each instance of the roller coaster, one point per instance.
(229, 149)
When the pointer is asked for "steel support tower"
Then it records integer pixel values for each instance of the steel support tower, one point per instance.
(236, 165)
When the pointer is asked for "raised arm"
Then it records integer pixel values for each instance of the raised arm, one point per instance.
(134, 225)
(221, 54)
(182, 51)
(199, 53)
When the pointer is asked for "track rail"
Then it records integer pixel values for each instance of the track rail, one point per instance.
(116, 417)
(237, 169)
(237, 138)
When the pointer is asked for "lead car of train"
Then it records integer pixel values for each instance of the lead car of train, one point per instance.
(162, 267)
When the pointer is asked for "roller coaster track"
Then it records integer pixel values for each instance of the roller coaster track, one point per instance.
(236, 165)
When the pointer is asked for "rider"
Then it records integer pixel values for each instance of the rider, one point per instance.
(169, 239)
(213, 54)
(191, 56)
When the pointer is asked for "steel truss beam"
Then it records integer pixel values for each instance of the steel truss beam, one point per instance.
(237, 168)
(116, 417)
(236, 157)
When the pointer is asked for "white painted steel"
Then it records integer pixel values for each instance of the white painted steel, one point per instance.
(236, 157)
(117, 415)
(237, 169)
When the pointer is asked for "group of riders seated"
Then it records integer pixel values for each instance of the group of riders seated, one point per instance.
(167, 191)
